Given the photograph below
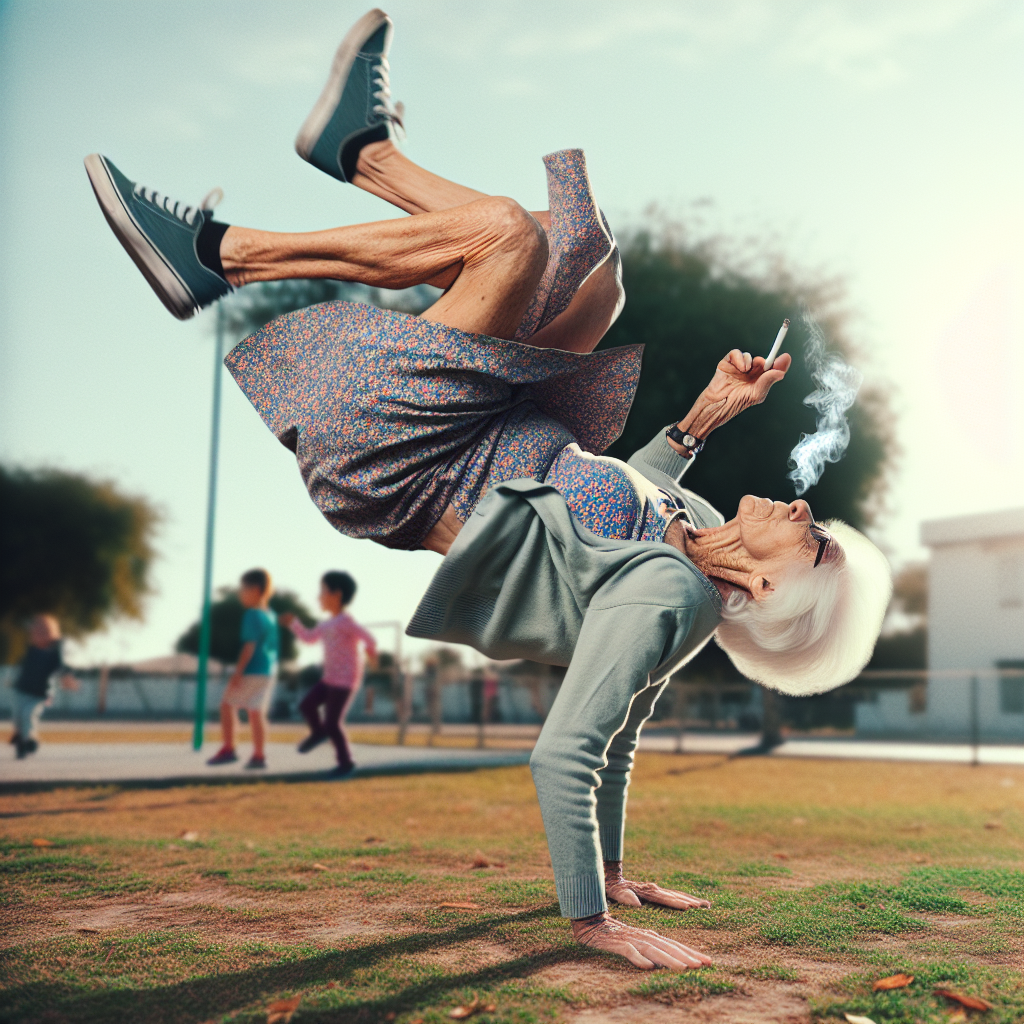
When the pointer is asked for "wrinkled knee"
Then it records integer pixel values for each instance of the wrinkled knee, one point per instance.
(517, 230)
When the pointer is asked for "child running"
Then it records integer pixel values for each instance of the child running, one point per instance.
(342, 638)
(33, 687)
(252, 682)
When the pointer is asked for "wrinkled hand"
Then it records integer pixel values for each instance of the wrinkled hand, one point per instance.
(632, 894)
(640, 946)
(740, 381)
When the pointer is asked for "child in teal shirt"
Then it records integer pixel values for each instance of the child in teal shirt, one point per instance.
(252, 682)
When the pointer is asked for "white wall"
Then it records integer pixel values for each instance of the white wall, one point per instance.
(976, 603)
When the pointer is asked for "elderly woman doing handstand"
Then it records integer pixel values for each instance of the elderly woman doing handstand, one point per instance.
(475, 430)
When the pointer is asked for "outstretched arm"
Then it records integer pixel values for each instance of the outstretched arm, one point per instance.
(740, 381)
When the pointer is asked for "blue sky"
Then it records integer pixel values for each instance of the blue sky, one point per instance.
(878, 141)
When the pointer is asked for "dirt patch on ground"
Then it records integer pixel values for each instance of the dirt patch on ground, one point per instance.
(756, 1004)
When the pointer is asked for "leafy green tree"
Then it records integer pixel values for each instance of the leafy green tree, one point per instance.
(72, 547)
(689, 308)
(226, 622)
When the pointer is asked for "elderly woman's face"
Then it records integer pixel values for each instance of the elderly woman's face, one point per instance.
(777, 534)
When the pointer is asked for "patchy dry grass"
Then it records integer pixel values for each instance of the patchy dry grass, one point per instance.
(823, 877)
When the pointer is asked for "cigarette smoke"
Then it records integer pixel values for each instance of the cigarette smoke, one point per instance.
(838, 385)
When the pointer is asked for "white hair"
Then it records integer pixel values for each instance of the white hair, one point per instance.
(818, 629)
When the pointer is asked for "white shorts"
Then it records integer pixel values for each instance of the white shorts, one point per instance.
(250, 692)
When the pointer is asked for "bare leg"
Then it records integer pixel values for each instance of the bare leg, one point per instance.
(384, 171)
(489, 253)
(227, 727)
(258, 727)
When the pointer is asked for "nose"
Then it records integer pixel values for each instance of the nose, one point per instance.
(800, 512)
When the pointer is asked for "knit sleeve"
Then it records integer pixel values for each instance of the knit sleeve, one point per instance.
(619, 646)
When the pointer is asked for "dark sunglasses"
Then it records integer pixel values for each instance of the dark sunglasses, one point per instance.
(822, 538)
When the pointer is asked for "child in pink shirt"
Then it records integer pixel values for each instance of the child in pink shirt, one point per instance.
(344, 642)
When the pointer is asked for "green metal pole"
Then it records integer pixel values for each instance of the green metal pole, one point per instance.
(211, 507)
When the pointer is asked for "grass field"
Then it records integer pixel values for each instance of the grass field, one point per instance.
(210, 903)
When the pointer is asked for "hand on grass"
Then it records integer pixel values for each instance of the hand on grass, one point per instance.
(640, 946)
(632, 894)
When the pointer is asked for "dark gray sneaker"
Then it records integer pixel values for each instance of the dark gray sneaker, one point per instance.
(355, 107)
(160, 235)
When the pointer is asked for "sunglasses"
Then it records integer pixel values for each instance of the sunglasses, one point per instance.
(822, 537)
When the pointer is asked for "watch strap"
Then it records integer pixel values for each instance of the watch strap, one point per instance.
(681, 437)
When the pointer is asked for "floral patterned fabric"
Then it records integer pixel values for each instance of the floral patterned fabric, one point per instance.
(392, 417)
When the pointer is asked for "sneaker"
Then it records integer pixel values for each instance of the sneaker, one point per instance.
(311, 741)
(226, 755)
(355, 107)
(341, 771)
(160, 235)
(256, 762)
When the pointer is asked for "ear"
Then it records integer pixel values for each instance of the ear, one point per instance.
(760, 588)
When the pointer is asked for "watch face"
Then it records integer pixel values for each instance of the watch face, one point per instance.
(689, 441)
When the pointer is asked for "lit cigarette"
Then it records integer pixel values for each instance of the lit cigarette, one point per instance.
(779, 339)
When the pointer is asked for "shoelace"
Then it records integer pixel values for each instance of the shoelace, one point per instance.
(382, 93)
(186, 215)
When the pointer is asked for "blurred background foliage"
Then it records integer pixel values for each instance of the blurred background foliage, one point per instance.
(688, 304)
(226, 622)
(73, 547)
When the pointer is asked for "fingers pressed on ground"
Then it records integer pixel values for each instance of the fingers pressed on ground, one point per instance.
(635, 957)
(666, 957)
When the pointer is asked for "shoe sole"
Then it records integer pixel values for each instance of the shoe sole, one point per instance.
(314, 125)
(162, 277)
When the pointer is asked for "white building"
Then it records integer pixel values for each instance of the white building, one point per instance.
(975, 628)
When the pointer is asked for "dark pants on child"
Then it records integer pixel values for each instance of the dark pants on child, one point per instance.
(335, 701)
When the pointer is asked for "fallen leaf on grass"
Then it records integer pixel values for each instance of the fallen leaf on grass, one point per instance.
(281, 1011)
(418, 1020)
(781, 856)
(188, 836)
(480, 861)
(799, 821)
(320, 867)
(993, 824)
(477, 1006)
(373, 839)
(461, 906)
(854, 1019)
(332, 984)
(41, 842)
(86, 930)
(893, 981)
(971, 1002)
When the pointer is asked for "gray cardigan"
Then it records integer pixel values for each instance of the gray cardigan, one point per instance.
(525, 580)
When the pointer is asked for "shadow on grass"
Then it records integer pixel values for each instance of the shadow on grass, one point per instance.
(213, 996)
(507, 759)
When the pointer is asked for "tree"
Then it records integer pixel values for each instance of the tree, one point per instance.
(688, 307)
(226, 622)
(73, 547)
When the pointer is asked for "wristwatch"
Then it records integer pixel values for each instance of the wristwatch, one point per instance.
(688, 441)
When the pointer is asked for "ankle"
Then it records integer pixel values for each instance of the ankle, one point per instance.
(374, 159)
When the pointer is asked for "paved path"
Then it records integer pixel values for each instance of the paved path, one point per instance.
(175, 763)
(844, 749)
